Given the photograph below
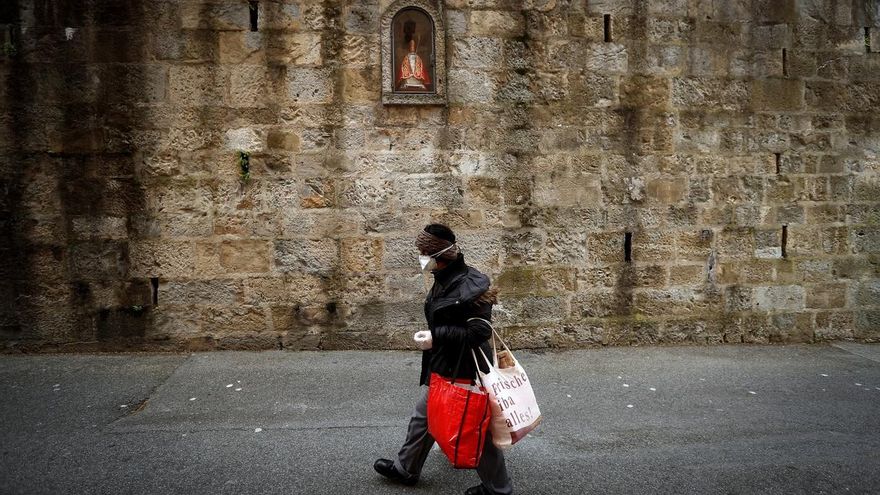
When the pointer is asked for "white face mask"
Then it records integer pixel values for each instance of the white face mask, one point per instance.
(428, 263)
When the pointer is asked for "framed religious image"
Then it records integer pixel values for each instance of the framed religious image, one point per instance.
(413, 54)
(412, 38)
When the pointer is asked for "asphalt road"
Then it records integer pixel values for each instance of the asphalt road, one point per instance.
(703, 420)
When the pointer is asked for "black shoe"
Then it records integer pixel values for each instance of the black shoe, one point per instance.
(386, 468)
(477, 490)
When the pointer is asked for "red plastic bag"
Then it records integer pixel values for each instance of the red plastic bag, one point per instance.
(458, 419)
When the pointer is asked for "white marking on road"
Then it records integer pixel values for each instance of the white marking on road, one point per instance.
(229, 385)
(626, 385)
(753, 393)
(238, 389)
(822, 374)
(619, 377)
(629, 406)
(568, 395)
(123, 406)
(858, 384)
(652, 389)
(257, 430)
(192, 398)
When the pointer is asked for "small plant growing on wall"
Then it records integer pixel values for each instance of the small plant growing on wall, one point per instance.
(244, 166)
(9, 49)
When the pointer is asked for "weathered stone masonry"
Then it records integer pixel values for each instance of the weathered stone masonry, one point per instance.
(631, 171)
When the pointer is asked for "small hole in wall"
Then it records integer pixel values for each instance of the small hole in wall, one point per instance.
(627, 246)
(254, 9)
(784, 242)
(785, 62)
(154, 285)
(778, 162)
(607, 22)
(867, 40)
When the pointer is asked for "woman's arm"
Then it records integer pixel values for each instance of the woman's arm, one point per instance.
(472, 332)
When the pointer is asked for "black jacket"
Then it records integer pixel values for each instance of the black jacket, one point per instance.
(450, 303)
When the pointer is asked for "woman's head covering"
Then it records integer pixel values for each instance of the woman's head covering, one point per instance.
(435, 238)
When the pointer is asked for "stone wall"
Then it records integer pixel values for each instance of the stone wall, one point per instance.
(630, 171)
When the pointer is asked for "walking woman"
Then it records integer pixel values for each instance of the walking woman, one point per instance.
(460, 292)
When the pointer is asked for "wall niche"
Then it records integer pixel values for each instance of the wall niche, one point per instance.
(413, 40)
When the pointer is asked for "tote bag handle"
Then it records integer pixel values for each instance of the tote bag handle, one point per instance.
(494, 347)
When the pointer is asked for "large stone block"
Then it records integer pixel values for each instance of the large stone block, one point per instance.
(307, 255)
(867, 325)
(674, 301)
(709, 93)
(834, 325)
(812, 241)
(792, 328)
(470, 86)
(311, 85)
(197, 84)
(531, 310)
(361, 85)
(361, 254)
(777, 94)
(653, 246)
(606, 57)
(644, 92)
(161, 258)
(241, 256)
(199, 292)
(237, 320)
(477, 52)
(736, 243)
(218, 16)
(99, 227)
(827, 296)
(865, 294)
(98, 259)
(865, 239)
(249, 86)
(237, 47)
(496, 23)
(776, 298)
(668, 191)
(291, 288)
(535, 280)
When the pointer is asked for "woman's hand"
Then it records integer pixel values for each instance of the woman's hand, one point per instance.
(423, 339)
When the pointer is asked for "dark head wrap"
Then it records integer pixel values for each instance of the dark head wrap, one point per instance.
(436, 238)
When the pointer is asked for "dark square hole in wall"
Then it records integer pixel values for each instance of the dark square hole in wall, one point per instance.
(867, 40)
(627, 246)
(254, 8)
(607, 23)
(8, 12)
(154, 286)
(778, 162)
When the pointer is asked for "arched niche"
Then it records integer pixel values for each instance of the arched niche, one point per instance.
(413, 40)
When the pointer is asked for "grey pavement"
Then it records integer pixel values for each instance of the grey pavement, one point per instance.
(701, 420)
